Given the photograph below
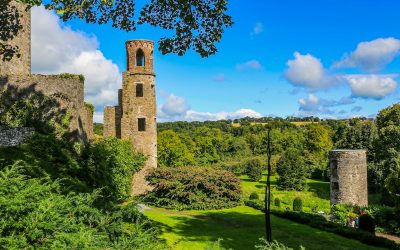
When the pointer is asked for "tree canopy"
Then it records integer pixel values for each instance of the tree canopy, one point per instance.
(196, 25)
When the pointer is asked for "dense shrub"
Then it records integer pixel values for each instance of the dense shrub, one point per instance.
(254, 196)
(292, 171)
(47, 156)
(254, 169)
(277, 202)
(387, 219)
(193, 188)
(34, 214)
(297, 204)
(366, 223)
(109, 165)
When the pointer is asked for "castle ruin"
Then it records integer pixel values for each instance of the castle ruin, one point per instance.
(66, 89)
(134, 118)
(348, 177)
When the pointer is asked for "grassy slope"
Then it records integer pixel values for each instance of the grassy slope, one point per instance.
(317, 193)
(240, 228)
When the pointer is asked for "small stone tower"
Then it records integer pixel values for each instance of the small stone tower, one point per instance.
(20, 65)
(134, 118)
(348, 177)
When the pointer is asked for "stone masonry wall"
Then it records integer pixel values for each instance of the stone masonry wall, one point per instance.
(10, 136)
(140, 107)
(20, 65)
(67, 89)
(349, 177)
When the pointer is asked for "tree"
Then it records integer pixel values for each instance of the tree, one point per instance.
(318, 142)
(254, 169)
(359, 134)
(171, 151)
(292, 171)
(197, 24)
(387, 148)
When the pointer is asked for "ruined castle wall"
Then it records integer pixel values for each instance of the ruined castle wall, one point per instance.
(20, 65)
(67, 89)
(349, 177)
(112, 121)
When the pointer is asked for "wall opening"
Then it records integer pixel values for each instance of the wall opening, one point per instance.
(139, 90)
(139, 57)
(142, 124)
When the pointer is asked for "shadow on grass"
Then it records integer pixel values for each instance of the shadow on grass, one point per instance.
(321, 189)
(237, 230)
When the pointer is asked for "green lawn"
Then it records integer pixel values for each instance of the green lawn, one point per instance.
(240, 228)
(317, 193)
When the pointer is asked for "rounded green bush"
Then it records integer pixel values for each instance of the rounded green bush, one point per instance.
(366, 223)
(297, 204)
(277, 202)
(254, 196)
(195, 188)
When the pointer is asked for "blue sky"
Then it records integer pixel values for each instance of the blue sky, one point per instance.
(329, 58)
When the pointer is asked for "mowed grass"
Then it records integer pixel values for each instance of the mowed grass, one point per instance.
(317, 193)
(240, 228)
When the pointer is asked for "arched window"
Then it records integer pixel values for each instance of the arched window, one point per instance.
(139, 57)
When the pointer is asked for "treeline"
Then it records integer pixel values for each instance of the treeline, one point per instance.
(300, 147)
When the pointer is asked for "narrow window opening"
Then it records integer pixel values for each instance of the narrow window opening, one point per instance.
(142, 124)
(139, 90)
(139, 58)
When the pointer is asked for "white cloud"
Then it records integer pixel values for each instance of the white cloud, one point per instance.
(307, 71)
(59, 49)
(175, 108)
(252, 64)
(98, 117)
(257, 29)
(313, 105)
(372, 55)
(372, 86)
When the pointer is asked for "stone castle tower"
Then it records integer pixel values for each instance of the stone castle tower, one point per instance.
(348, 177)
(20, 65)
(134, 118)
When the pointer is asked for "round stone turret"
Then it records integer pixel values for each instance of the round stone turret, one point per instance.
(348, 177)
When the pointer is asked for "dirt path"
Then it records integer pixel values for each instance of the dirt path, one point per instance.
(389, 237)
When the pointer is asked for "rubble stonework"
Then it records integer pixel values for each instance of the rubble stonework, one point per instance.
(134, 118)
(348, 177)
(11, 136)
(67, 89)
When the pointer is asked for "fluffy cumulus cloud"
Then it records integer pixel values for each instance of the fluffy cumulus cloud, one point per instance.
(59, 49)
(175, 108)
(307, 71)
(372, 86)
(372, 55)
(252, 64)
